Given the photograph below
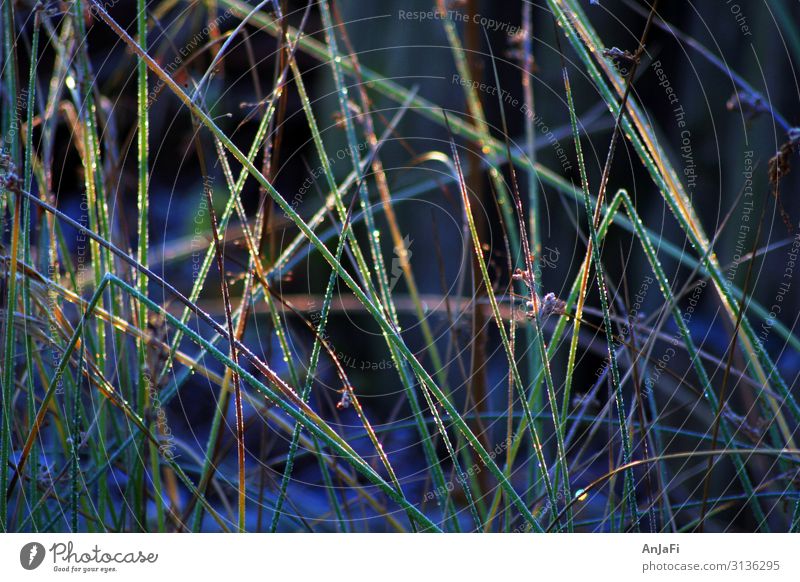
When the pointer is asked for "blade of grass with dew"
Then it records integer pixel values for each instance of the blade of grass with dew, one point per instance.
(258, 140)
(682, 455)
(484, 137)
(610, 215)
(428, 109)
(374, 310)
(310, 420)
(10, 82)
(536, 442)
(534, 212)
(593, 249)
(237, 387)
(531, 266)
(373, 233)
(263, 278)
(236, 151)
(255, 262)
(302, 412)
(143, 206)
(581, 35)
(74, 428)
(317, 345)
(310, 377)
(8, 352)
(61, 368)
(666, 290)
(312, 423)
(95, 193)
(592, 216)
(382, 184)
(33, 491)
(459, 127)
(723, 396)
(78, 81)
(364, 271)
(275, 270)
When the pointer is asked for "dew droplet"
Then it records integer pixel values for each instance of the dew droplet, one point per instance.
(581, 495)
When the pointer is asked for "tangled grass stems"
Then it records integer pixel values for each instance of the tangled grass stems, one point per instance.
(471, 408)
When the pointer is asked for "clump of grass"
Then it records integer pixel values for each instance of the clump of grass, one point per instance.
(134, 399)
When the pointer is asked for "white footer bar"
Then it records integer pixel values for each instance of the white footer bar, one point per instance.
(406, 557)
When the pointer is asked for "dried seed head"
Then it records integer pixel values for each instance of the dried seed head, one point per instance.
(620, 57)
(547, 305)
(551, 304)
(345, 400)
(752, 105)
